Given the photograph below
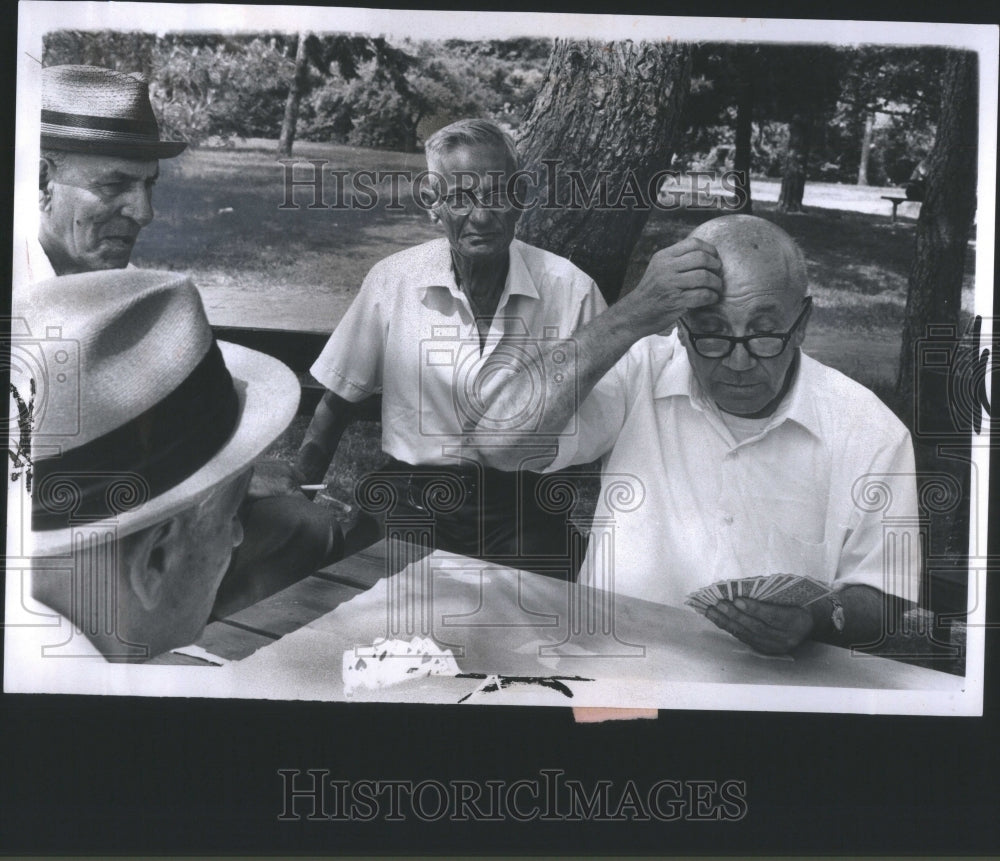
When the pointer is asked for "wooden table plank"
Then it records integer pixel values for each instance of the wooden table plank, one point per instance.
(291, 608)
(243, 633)
(366, 567)
(230, 642)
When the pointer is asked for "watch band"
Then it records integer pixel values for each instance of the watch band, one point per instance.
(837, 617)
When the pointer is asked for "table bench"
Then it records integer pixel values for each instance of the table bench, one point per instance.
(895, 201)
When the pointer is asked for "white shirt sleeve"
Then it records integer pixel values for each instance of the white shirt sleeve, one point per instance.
(592, 305)
(592, 432)
(882, 550)
(352, 361)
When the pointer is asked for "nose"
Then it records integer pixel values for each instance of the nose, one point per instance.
(139, 205)
(482, 214)
(739, 359)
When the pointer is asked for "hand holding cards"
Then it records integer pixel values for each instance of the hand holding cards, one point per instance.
(790, 590)
(769, 614)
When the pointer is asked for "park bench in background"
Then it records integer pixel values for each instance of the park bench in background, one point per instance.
(895, 201)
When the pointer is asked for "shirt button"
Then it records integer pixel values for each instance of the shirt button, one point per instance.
(727, 518)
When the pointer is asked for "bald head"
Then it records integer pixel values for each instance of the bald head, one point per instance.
(748, 245)
(763, 293)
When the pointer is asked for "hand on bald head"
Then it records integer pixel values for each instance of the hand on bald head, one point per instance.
(755, 253)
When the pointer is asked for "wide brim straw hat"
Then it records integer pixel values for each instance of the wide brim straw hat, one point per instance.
(141, 413)
(89, 109)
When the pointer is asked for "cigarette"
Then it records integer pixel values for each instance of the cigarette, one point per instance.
(312, 486)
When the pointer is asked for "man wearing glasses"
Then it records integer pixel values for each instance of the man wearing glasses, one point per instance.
(727, 451)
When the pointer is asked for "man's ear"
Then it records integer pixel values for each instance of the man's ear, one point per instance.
(800, 334)
(45, 171)
(149, 561)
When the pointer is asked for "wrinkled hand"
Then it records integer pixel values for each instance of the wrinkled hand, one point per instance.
(685, 275)
(273, 477)
(772, 629)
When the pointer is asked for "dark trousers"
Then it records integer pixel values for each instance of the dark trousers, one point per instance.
(518, 519)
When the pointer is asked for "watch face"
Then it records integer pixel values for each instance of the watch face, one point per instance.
(837, 617)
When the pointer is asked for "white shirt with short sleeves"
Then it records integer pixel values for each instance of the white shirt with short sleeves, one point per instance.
(411, 335)
(685, 503)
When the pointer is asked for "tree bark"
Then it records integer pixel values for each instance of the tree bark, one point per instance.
(609, 111)
(742, 157)
(793, 175)
(866, 145)
(934, 293)
(295, 90)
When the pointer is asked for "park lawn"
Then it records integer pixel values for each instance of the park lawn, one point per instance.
(219, 216)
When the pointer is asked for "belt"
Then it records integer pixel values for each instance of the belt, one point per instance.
(443, 480)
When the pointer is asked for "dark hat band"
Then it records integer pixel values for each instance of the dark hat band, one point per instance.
(56, 122)
(143, 458)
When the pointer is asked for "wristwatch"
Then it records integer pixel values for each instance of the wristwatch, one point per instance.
(837, 618)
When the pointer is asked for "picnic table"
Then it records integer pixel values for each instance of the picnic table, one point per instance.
(895, 201)
(519, 637)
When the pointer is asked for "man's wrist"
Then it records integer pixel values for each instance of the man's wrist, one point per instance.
(312, 462)
(828, 618)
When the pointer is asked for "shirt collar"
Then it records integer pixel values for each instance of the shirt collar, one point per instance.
(676, 379)
(433, 271)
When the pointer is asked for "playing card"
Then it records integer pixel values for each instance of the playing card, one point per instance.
(782, 588)
(798, 592)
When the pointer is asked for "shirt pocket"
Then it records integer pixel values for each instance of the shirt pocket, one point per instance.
(791, 554)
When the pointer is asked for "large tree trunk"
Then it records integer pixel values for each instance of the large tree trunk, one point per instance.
(934, 295)
(291, 120)
(793, 175)
(866, 146)
(609, 111)
(744, 129)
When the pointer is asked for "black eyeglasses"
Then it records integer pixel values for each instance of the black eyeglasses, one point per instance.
(759, 346)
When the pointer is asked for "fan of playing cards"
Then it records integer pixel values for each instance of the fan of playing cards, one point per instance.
(791, 590)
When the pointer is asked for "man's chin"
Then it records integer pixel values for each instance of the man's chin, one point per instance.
(742, 400)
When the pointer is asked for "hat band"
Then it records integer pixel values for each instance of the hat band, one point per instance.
(56, 122)
(143, 458)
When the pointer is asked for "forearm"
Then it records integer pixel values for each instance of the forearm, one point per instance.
(866, 614)
(322, 437)
(686, 275)
(568, 370)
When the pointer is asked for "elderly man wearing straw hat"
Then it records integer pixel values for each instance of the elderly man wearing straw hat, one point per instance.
(99, 161)
(100, 145)
(134, 509)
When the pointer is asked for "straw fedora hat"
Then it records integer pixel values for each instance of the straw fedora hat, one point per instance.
(140, 413)
(93, 110)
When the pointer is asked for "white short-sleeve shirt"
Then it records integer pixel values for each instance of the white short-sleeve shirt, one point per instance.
(827, 489)
(411, 335)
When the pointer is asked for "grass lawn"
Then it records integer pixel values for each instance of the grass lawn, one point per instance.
(219, 217)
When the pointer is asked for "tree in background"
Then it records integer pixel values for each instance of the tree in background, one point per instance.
(609, 111)
(889, 97)
(445, 81)
(934, 294)
(725, 79)
(344, 56)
